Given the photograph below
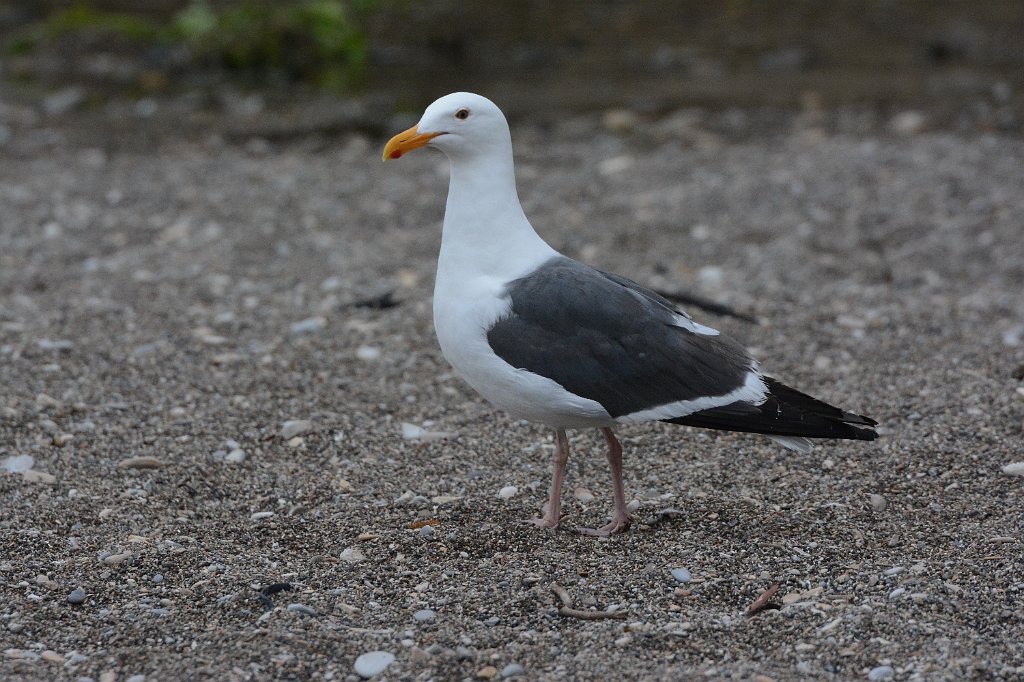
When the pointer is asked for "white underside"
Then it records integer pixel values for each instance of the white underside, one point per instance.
(752, 391)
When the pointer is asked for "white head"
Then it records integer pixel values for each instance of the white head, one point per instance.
(460, 125)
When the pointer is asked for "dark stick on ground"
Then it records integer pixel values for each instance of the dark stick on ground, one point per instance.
(706, 305)
(764, 601)
(272, 589)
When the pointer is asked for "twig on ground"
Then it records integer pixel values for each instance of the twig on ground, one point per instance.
(762, 602)
(567, 610)
(265, 593)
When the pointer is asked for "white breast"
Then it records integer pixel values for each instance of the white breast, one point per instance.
(463, 312)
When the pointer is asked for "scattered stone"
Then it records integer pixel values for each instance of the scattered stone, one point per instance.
(368, 353)
(236, 456)
(583, 495)
(136, 678)
(512, 670)
(507, 492)
(897, 593)
(18, 464)
(882, 672)
(45, 402)
(427, 532)
(259, 516)
(1014, 469)
(51, 656)
(310, 325)
(33, 476)
(413, 432)
(116, 559)
(352, 555)
(64, 100)
(59, 345)
(143, 462)
(424, 615)
(878, 503)
(295, 427)
(301, 608)
(681, 575)
(907, 123)
(373, 663)
(77, 596)
(487, 672)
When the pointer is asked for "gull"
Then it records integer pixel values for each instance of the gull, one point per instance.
(554, 341)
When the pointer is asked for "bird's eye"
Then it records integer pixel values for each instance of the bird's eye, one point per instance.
(462, 114)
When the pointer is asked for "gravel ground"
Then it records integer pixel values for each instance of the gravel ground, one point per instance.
(164, 313)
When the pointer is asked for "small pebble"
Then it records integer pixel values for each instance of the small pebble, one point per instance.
(373, 663)
(878, 503)
(507, 492)
(368, 353)
(236, 456)
(487, 672)
(310, 325)
(882, 672)
(681, 575)
(295, 427)
(143, 462)
(512, 670)
(77, 596)
(18, 464)
(424, 615)
(258, 516)
(136, 678)
(898, 592)
(301, 608)
(157, 578)
(427, 532)
(1014, 469)
(352, 555)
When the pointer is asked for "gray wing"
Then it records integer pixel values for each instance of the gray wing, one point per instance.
(608, 339)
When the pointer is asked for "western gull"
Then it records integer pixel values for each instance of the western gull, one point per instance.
(555, 341)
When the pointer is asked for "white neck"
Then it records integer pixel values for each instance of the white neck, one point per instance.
(486, 232)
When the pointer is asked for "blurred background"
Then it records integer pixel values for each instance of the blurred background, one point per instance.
(300, 66)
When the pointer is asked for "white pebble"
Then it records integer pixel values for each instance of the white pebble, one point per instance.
(878, 503)
(258, 516)
(413, 432)
(310, 325)
(507, 492)
(295, 427)
(236, 456)
(301, 608)
(18, 464)
(882, 672)
(1014, 469)
(368, 353)
(373, 663)
(352, 555)
(681, 575)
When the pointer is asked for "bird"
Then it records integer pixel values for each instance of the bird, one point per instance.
(557, 342)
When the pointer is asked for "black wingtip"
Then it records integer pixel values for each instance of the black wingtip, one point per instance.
(786, 412)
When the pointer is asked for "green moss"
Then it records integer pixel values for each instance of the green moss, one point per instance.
(319, 41)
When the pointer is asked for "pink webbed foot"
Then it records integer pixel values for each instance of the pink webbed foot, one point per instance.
(546, 522)
(619, 524)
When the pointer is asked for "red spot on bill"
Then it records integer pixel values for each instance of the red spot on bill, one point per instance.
(395, 154)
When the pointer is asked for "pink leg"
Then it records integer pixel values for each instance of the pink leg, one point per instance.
(554, 514)
(621, 520)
